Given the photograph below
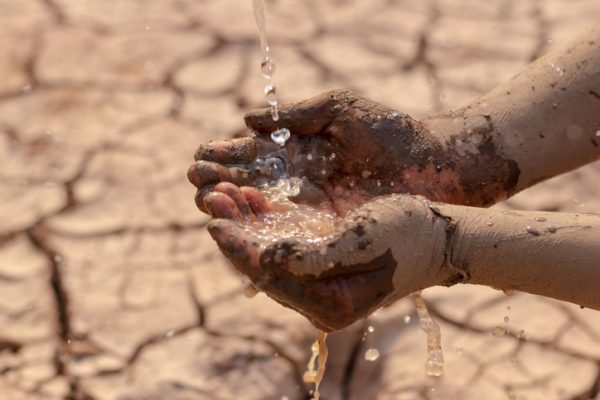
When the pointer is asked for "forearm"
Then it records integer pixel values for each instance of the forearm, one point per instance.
(551, 254)
(545, 119)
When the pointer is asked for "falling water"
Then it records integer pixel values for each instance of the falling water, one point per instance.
(435, 358)
(267, 66)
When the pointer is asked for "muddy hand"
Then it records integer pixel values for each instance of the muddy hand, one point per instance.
(362, 149)
(374, 258)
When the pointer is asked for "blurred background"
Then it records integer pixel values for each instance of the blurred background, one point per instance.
(110, 287)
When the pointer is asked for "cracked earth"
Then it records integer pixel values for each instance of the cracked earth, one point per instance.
(110, 288)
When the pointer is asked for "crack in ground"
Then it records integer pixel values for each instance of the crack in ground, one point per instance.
(55, 10)
(421, 57)
(38, 237)
(548, 345)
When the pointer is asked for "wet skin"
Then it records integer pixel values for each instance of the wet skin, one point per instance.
(360, 151)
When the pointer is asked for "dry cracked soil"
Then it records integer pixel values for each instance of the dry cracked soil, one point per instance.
(110, 287)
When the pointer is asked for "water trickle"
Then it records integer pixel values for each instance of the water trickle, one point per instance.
(281, 136)
(532, 231)
(267, 67)
(434, 365)
(540, 219)
(271, 94)
(372, 354)
(551, 229)
(319, 355)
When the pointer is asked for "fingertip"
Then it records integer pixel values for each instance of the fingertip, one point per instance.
(235, 193)
(220, 205)
(199, 198)
(258, 202)
(235, 151)
(239, 246)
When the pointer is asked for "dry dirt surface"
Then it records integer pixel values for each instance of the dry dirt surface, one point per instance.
(110, 287)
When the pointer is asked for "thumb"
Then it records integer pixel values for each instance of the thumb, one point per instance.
(305, 118)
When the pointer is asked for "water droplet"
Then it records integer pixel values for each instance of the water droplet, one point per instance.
(372, 354)
(274, 113)
(598, 133)
(551, 229)
(532, 231)
(366, 174)
(267, 68)
(392, 184)
(293, 187)
(371, 329)
(309, 157)
(271, 94)
(378, 183)
(332, 156)
(506, 319)
(285, 398)
(509, 292)
(407, 319)
(280, 136)
(57, 258)
(540, 219)
(170, 333)
(490, 223)
(27, 89)
(250, 291)
(498, 331)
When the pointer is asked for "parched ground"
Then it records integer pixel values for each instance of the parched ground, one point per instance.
(110, 287)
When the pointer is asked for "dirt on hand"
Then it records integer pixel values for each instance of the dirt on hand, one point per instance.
(110, 287)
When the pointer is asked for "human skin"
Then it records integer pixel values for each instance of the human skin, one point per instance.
(539, 124)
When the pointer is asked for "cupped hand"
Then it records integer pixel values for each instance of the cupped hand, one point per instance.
(383, 250)
(347, 151)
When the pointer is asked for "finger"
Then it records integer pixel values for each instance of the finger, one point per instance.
(242, 150)
(219, 205)
(236, 151)
(240, 247)
(257, 200)
(200, 195)
(305, 118)
(203, 173)
(236, 195)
